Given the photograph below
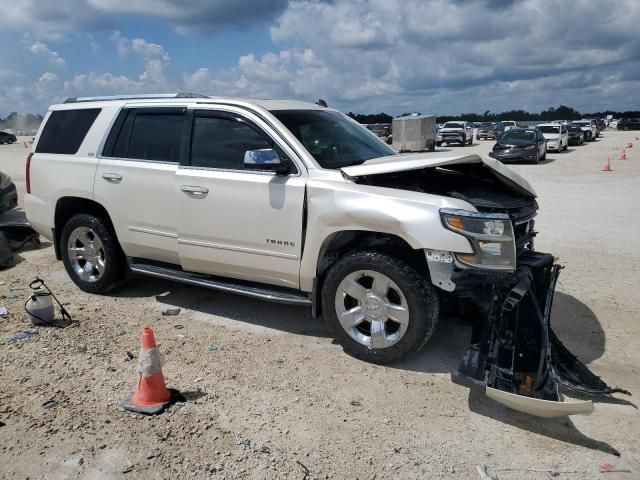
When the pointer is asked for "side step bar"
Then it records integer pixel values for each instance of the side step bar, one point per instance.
(260, 291)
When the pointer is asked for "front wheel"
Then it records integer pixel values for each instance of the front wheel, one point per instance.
(91, 253)
(379, 308)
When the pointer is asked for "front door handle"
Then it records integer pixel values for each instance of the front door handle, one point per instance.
(194, 191)
(112, 177)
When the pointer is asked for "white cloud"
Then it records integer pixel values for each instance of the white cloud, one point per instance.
(42, 48)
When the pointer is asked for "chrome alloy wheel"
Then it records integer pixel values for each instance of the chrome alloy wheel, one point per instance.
(86, 254)
(372, 309)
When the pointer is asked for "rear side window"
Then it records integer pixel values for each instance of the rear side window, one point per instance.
(219, 142)
(154, 135)
(65, 130)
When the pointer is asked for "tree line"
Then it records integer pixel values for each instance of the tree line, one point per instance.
(561, 113)
(17, 121)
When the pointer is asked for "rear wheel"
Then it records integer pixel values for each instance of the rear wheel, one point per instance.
(379, 308)
(91, 254)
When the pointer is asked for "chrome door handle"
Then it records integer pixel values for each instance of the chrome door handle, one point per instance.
(195, 191)
(112, 177)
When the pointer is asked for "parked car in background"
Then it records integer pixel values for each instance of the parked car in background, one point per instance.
(520, 144)
(628, 124)
(489, 131)
(613, 123)
(576, 135)
(589, 129)
(455, 132)
(8, 193)
(557, 136)
(509, 124)
(6, 137)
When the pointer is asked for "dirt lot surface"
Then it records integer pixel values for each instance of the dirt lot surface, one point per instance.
(268, 395)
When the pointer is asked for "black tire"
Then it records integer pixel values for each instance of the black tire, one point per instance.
(464, 140)
(537, 159)
(421, 298)
(438, 144)
(478, 137)
(544, 155)
(115, 268)
(10, 141)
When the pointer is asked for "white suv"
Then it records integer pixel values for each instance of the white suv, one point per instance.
(556, 135)
(296, 203)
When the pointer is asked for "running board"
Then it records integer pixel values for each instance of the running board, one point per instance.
(249, 289)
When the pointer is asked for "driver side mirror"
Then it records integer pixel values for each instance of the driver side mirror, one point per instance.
(266, 159)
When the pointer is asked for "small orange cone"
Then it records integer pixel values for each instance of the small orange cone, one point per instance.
(151, 396)
(607, 166)
(623, 155)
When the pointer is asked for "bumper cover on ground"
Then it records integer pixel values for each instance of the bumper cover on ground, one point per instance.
(516, 357)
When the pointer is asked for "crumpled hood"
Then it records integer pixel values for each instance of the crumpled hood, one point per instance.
(417, 161)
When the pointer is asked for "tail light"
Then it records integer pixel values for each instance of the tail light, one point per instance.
(28, 175)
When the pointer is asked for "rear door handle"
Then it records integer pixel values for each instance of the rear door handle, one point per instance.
(112, 177)
(194, 190)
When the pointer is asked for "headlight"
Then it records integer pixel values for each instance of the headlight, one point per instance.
(490, 234)
(530, 147)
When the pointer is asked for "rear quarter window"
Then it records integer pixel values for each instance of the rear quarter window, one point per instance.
(65, 130)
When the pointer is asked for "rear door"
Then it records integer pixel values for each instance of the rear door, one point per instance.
(233, 222)
(135, 180)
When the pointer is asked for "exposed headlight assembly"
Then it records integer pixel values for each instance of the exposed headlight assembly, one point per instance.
(490, 234)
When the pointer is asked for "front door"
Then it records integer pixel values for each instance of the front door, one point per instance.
(233, 222)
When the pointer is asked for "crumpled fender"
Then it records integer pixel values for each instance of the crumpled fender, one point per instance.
(338, 206)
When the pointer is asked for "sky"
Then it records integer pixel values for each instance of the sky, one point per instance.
(367, 56)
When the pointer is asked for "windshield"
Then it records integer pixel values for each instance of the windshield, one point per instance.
(521, 135)
(488, 125)
(549, 129)
(331, 138)
(453, 125)
(574, 128)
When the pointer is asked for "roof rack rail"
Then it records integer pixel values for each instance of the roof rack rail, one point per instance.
(135, 97)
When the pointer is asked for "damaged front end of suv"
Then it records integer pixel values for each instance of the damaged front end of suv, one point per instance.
(514, 355)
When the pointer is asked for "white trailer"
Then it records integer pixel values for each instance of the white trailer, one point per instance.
(414, 133)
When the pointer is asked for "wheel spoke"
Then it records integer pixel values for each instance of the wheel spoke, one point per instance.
(87, 271)
(354, 289)
(378, 339)
(79, 252)
(398, 313)
(380, 285)
(351, 318)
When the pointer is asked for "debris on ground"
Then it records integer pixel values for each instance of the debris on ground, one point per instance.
(211, 348)
(49, 404)
(3, 311)
(171, 312)
(130, 355)
(24, 335)
(356, 403)
(482, 471)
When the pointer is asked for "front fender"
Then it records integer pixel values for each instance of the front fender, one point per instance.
(335, 206)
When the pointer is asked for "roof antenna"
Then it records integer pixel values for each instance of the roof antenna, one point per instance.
(322, 103)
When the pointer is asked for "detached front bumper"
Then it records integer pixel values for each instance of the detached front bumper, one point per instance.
(8, 198)
(514, 355)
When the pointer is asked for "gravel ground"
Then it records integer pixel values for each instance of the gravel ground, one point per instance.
(268, 395)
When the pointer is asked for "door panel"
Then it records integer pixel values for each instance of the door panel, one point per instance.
(243, 225)
(142, 206)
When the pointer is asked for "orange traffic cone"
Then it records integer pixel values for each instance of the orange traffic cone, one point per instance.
(607, 166)
(152, 395)
(623, 155)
